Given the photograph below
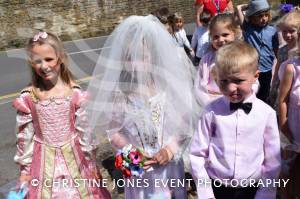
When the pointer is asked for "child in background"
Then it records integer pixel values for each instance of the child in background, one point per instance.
(237, 136)
(214, 7)
(200, 39)
(50, 145)
(144, 97)
(288, 25)
(177, 31)
(261, 36)
(162, 14)
(289, 118)
(222, 30)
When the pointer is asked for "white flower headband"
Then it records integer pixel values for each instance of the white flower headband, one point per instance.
(39, 35)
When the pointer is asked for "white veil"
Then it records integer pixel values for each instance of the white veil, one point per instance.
(140, 60)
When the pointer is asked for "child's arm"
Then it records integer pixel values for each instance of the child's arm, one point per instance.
(230, 7)
(194, 41)
(275, 74)
(24, 133)
(284, 92)
(199, 10)
(87, 139)
(198, 156)
(275, 43)
(240, 14)
(272, 161)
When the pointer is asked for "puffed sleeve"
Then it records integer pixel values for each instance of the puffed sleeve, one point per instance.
(24, 134)
(87, 138)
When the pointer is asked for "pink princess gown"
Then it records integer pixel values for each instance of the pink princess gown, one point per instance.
(53, 149)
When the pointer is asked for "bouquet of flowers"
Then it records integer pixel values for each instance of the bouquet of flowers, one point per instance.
(131, 161)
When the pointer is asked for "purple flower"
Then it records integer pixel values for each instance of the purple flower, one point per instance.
(286, 7)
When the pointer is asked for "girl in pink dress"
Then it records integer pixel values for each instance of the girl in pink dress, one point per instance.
(288, 25)
(222, 30)
(289, 118)
(56, 154)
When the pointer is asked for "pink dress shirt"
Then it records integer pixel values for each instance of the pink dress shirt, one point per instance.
(235, 145)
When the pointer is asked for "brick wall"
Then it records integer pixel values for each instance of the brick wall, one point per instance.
(74, 19)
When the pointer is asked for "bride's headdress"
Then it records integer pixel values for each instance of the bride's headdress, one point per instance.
(141, 60)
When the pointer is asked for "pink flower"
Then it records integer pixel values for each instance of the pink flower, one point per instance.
(136, 157)
(39, 35)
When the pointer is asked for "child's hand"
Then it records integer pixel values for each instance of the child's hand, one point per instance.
(192, 53)
(163, 156)
(243, 7)
(148, 162)
(24, 178)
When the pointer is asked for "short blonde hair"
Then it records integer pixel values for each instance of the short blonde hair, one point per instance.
(291, 18)
(236, 56)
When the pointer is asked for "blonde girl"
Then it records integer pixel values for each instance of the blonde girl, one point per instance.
(178, 33)
(51, 147)
(289, 117)
(222, 30)
(288, 25)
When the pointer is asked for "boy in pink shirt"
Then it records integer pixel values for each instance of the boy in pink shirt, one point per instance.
(237, 142)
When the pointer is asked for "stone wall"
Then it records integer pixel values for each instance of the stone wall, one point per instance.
(74, 19)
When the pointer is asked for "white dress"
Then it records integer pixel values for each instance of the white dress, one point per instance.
(151, 139)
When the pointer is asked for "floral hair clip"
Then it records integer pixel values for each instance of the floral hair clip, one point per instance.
(285, 8)
(39, 35)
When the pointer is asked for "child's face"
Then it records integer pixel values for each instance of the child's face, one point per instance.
(179, 24)
(261, 19)
(44, 62)
(237, 86)
(289, 33)
(221, 35)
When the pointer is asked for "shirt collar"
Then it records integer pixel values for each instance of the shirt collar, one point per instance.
(250, 99)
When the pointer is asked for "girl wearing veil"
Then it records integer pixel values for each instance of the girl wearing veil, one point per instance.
(142, 94)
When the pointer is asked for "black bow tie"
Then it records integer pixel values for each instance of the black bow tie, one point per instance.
(245, 106)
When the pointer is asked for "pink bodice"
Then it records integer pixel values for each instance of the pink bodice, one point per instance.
(54, 120)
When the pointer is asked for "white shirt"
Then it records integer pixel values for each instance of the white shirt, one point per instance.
(201, 40)
(181, 39)
(235, 145)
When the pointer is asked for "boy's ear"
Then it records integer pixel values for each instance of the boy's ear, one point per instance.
(256, 74)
